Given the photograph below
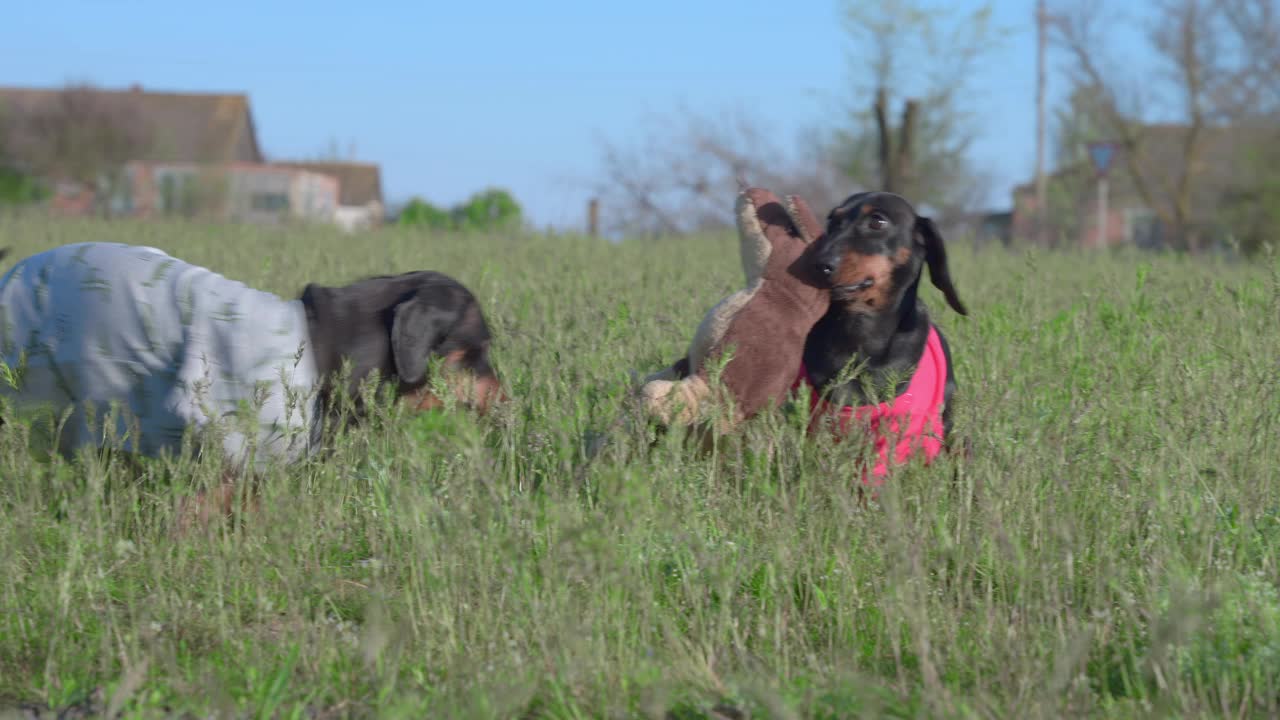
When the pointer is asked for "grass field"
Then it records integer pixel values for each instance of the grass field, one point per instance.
(1111, 550)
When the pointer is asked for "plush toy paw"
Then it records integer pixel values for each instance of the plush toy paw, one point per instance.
(675, 402)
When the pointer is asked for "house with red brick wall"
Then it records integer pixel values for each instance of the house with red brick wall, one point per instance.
(80, 139)
(151, 154)
(243, 192)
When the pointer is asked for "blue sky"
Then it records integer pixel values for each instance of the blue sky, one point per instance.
(452, 97)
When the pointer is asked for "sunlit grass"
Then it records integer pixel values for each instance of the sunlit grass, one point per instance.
(1110, 550)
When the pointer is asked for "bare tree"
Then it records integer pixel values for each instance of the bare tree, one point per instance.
(80, 135)
(1248, 98)
(922, 56)
(1252, 88)
(896, 144)
(1199, 79)
(682, 174)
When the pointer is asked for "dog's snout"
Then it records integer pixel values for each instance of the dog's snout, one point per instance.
(825, 266)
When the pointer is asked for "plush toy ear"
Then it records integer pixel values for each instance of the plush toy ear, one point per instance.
(935, 254)
(753, 244)
(802, 217)
(418, 325)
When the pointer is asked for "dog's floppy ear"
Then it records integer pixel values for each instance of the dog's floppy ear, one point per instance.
(418, 325)
(935, 254)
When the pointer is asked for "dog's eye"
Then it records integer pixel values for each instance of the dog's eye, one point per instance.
(877, 221)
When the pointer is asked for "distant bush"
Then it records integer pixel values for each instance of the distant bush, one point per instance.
(419, 212)
(492, 209)
(1252, 210)
(17, 188)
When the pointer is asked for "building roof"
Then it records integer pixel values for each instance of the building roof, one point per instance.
(359, 183)
(192, 127)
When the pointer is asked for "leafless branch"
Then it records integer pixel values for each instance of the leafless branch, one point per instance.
(1253, 28)
(683, 174)
(1078, 34)
(1209, 76)
(80, 135)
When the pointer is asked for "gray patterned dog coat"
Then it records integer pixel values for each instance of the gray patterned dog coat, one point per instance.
(177, 347)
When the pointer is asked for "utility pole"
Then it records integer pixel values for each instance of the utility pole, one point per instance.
(593, 217)
(1042, 195)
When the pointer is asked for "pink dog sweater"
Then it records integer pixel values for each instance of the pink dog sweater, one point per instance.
(912, 422)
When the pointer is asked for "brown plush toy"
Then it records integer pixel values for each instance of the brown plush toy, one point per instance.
(763, 326)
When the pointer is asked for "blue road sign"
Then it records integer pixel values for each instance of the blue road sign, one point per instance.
(1102, 154)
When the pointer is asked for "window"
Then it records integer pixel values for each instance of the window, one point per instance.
(269, 202)
(119, 191)
(177, 192)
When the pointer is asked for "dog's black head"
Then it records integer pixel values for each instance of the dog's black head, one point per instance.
(396, 325)
(874, 250)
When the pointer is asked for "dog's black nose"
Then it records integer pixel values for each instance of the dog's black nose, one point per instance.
(826, 268)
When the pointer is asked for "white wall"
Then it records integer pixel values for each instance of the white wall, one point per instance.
(357, 217)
